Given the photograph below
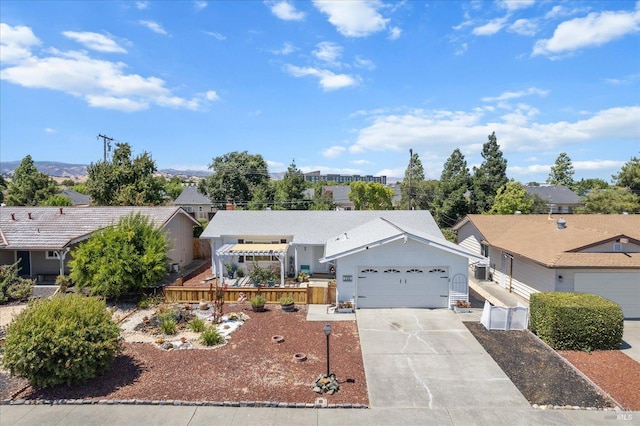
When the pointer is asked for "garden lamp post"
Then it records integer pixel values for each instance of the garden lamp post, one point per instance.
(327, 332)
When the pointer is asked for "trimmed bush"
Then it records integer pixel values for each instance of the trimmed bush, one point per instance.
(576, 321)
(64, 340)
(12, 286)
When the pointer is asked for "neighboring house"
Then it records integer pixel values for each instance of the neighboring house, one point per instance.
(594, 253)
(195, 202)
(317, 177)
(339, 195)
(77, 199)
(560, 199)
(390, 258)
(43, 238)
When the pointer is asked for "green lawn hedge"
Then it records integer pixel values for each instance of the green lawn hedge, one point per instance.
(576, 321)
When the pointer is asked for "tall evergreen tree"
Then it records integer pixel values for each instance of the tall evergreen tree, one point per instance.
(629, 175)
(124, 181)
(29, 187)
(413, 177)
(451, 202)
(489, 177)
(235, 176)
(290, 190)
(561, 173)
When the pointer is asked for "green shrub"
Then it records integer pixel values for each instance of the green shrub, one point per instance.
(576, 321)
(197, 325)
(168, 325)
(148, 301)
(62, 281)
(12, 286)
(257, 301)
(286, 300)
(63, 340)
(211, 337)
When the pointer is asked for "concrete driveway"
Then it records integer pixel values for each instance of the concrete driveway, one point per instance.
(426, 358)
(631, 337)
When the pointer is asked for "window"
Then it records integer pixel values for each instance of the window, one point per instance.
(617, 247)
(51, 254)
(484, 250)
(240, 258)
(200, 209)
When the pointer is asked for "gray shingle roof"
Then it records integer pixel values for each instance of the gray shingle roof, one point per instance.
(190, 195)
(310, 227)
(76, 197)
(45, 228)
(554, 194)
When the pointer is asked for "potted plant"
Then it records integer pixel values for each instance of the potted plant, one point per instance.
(303, 277)
(345, 307)
(287, 304)
(462, 307)
(257, 303)
(231, 269)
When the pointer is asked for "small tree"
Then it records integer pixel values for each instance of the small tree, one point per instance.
(63, 340)
(511, 198)
(612, 200)
(127, 257)
(29, 187)
(12, 286)
(561, 173)
(371, 196)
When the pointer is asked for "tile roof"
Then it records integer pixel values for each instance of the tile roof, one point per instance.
(44, 228)
(76, 197)
(537, 237)
(191, 195)
(308, 226)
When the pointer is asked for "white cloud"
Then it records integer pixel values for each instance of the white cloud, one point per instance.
(49, 130)
(100, 83)
(199, 4)
(595, 29)
(328, 80)
(95, 41)
(328, 52)
(514, 95)
(16, 43)
(512, 5)
(491, 27)
(579, 166)
(142, 5)
(391, 172)
(361, 162)
(333, 152)
(353, 18)
(153, 26)
(286, 11)
(394, 33)
(287, 49)
(526, 27)
(434, 130)
(215, 35)
(364, 63)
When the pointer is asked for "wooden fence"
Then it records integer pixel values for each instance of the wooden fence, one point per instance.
(201, 249)
(300, 295)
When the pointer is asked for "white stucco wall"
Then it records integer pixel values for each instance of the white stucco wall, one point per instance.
(395, 253)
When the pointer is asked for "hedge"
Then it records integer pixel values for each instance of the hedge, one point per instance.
(576, 321)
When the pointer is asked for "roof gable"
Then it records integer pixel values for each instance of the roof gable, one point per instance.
(191, 195)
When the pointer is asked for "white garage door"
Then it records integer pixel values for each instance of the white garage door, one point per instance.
(402, 287)
(620, 287)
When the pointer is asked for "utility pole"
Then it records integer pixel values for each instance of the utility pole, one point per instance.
(410, 174)
(105, 144)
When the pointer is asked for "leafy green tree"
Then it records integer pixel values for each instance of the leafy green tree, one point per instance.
(586, 185)
(289, 193)
(371, 196)
(322, 198)
(3, 186)
(124, 181)
(262, 197)
(413, 177)
(538, 204)
(57, 200)
(81, 188)
(489, 177)
(512, 197)
(561, 173)
(451, 202)
(127, 257)
(68, 183)
(236, 175)
(629, 175)
(29, 187)
(173, 187)
(611, 200)
(62, 340)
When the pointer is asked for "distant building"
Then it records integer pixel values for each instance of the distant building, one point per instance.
(316, 177)
(194, 202)
(77, 199)
(560, 199)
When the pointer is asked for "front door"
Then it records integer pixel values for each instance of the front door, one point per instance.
(24, 265)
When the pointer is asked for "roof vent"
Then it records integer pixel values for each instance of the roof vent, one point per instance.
(562, 224)
(29, 214)
(61, 210)
(13, 216)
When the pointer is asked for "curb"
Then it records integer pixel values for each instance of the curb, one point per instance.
(268, 404)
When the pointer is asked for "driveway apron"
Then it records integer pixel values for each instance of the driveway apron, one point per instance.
(426, 358)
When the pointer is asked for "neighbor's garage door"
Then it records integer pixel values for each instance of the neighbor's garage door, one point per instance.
(620, 287)
(402, 287)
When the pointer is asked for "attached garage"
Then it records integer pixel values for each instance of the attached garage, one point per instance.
(622, 288)
(402, 287)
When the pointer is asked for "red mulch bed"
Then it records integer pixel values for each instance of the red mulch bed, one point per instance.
(613, 371)
(249, 368)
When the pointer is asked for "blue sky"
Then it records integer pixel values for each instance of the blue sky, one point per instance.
(339, 86)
